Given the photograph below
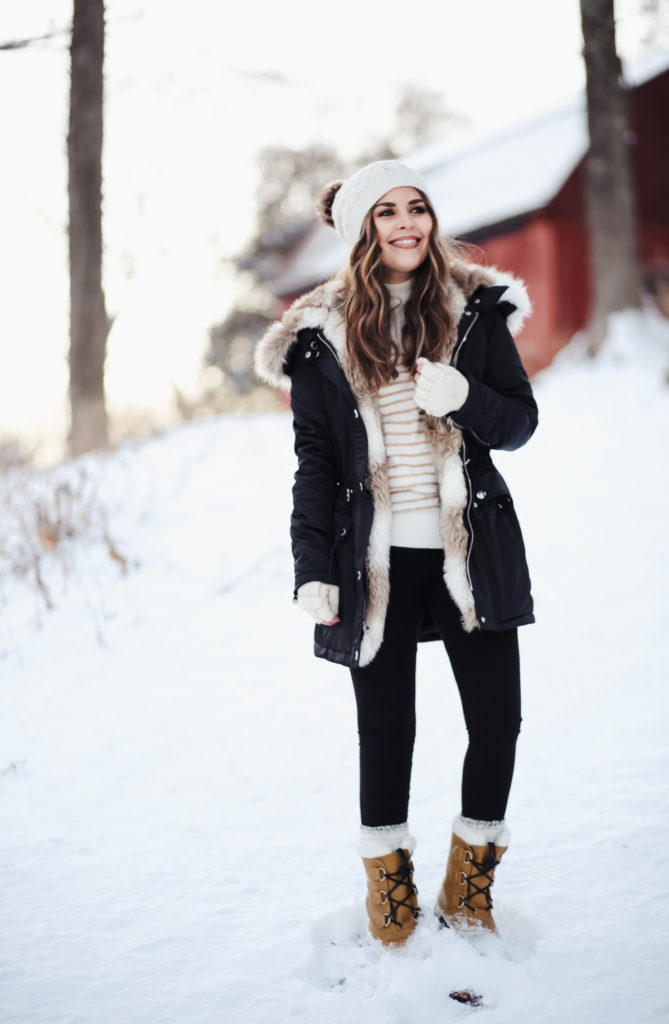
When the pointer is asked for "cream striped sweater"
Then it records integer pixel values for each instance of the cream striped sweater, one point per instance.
(414, 493)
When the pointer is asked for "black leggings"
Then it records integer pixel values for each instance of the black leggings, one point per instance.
(487, 671)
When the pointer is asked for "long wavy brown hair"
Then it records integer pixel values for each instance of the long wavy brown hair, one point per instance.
(367, 306)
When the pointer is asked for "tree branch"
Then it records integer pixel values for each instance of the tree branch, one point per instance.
(21, 44)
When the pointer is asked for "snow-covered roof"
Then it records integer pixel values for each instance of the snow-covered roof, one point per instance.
(318, 257)
(650, 67)
(478, 178)
(509, 172)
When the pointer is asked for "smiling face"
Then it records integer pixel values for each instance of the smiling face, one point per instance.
(403, 226)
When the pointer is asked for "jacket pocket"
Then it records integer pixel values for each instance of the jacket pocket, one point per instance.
(342, 522)
(498, 563)
(341, 637)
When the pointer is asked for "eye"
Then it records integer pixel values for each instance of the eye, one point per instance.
(384, 213)
(418, 209)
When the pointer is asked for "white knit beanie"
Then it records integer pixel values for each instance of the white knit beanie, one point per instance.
(359, 193)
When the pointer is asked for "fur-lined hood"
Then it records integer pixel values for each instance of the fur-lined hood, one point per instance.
(322, 308)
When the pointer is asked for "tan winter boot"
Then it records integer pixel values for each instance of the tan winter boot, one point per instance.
(465, 900)
(392, 904)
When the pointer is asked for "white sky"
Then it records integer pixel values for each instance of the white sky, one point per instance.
(184, 118)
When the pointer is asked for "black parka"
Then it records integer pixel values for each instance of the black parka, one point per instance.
(332, 504)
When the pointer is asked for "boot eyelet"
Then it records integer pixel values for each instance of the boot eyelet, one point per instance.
(386, 920)
(384, 896)
(463, 876)
(382, 874)
(468, 857)
(461, 902)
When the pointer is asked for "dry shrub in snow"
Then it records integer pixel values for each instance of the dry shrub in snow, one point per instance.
(47, 522)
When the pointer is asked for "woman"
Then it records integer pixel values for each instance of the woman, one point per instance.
(403, 377)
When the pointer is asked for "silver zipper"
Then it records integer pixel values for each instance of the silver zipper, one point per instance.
(469, 518)
(327, 344)
(453, 362)
(465, 336)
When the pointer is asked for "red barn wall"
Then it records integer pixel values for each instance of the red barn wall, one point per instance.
(649, 151)
(649, 120)
(531, 252)
(649, 104)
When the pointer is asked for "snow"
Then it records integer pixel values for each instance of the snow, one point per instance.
(178, 774)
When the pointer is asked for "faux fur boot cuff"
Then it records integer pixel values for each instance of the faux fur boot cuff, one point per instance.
(478, 833)
(379, 842)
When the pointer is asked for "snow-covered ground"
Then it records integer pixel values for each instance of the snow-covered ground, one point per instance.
(178, 774)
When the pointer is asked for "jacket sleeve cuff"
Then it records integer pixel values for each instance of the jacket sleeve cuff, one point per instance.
(468, 406)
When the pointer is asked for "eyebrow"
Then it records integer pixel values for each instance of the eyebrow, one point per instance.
(411, 203)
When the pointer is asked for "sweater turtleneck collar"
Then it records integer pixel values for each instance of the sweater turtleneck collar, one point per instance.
(400, 292)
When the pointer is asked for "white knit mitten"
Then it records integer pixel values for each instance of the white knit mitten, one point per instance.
(440, 389)
(320, 600)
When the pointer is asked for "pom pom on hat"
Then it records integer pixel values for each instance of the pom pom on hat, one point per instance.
(347, 204)
(324, 201)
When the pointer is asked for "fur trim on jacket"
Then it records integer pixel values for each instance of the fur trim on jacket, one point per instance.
(322, 309)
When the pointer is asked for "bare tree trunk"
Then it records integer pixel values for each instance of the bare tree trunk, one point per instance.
(616, 277)
(88, 317)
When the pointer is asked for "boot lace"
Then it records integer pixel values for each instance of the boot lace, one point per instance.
(401, 877)
(484, 870)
